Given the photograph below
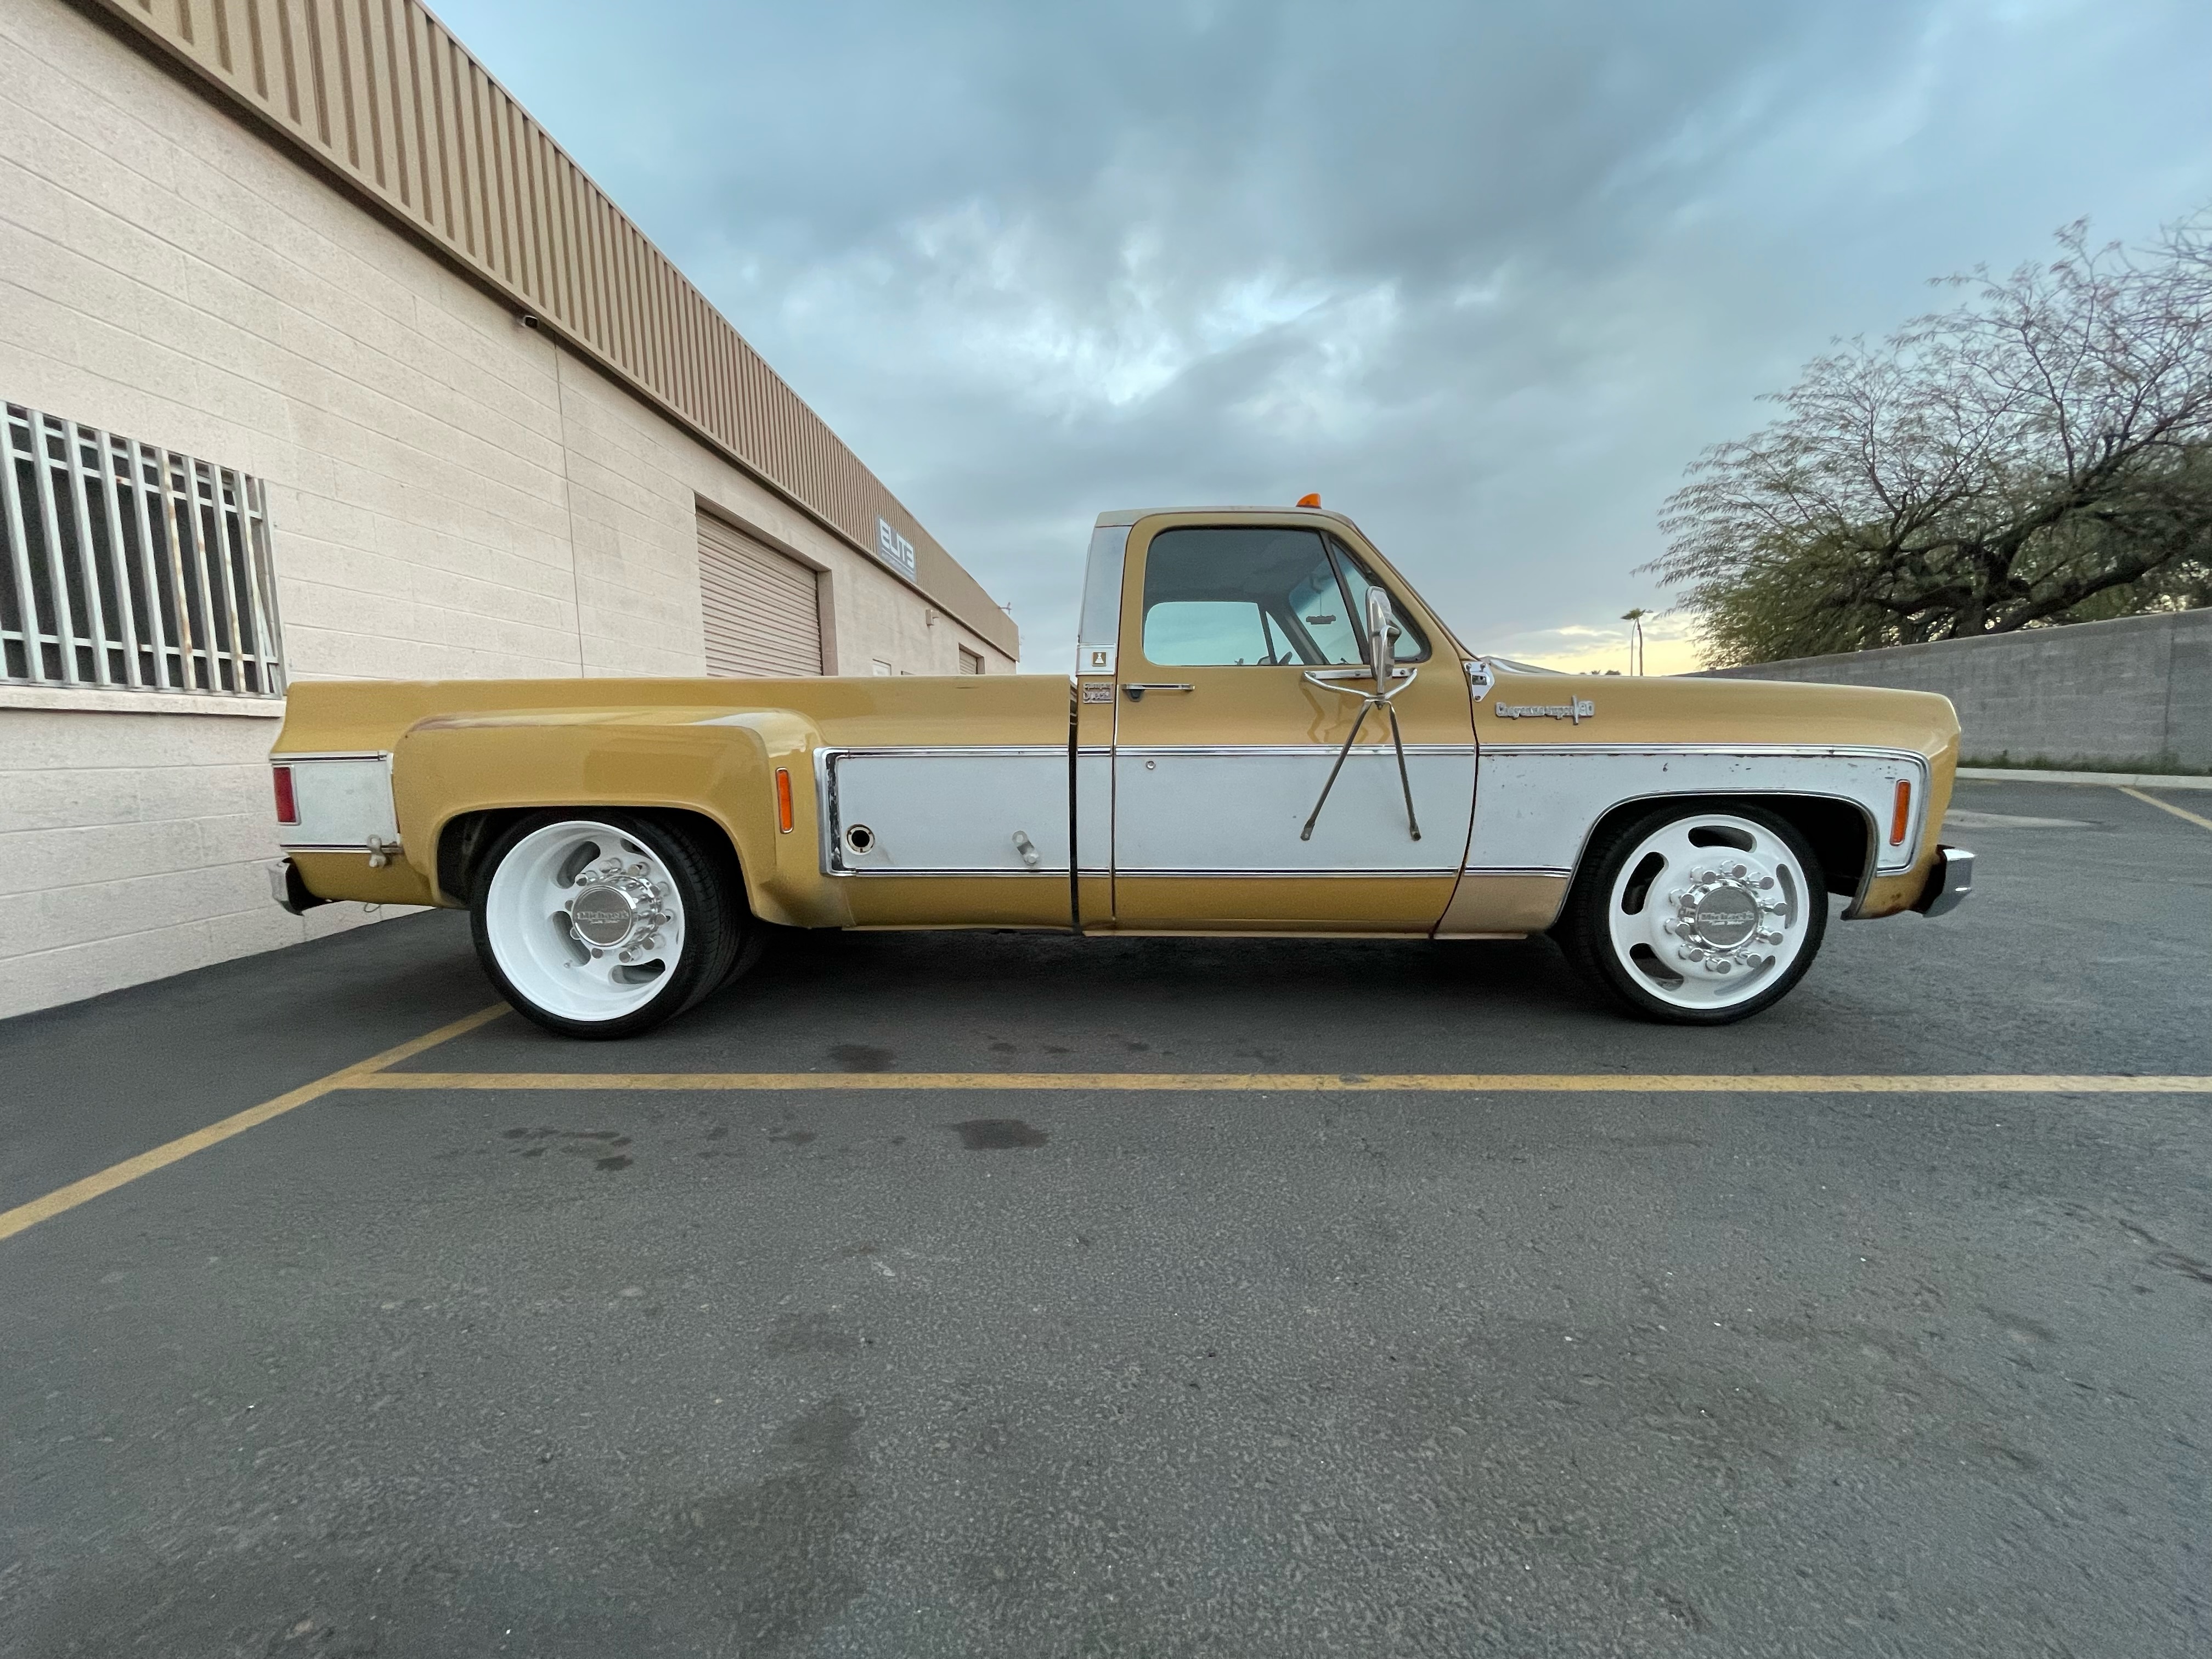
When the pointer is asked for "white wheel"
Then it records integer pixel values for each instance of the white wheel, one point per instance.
(1701, 916)
(602, 926)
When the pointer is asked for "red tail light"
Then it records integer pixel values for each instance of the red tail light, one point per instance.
(1900, 814)
(288, 809)
(783, 801)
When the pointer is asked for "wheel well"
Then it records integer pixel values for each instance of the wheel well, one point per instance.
(1836, 830)
(468, 837)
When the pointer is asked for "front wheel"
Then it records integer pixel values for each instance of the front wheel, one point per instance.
(603, 923)
(1698, 917)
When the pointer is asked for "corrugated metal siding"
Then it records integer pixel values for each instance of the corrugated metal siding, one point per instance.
(760, 608)
(381, 91)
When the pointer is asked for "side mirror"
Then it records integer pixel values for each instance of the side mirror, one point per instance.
(1382, 629)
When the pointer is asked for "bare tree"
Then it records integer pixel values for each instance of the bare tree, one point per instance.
(2041, 454)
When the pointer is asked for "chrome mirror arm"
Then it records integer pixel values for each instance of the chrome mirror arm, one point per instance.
(1332, 679)
(1368, 701)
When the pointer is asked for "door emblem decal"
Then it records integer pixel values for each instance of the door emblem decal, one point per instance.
(1581, 709)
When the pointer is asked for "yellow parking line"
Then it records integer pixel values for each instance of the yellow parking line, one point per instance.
(374, 1074)
(2165, 806)
(1304, 1082)
(117, 1174)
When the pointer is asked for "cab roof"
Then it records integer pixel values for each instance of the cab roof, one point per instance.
(1131, 514)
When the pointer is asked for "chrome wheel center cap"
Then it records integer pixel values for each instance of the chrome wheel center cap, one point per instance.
(1724, 919)
(605, 916)
(1725, 916)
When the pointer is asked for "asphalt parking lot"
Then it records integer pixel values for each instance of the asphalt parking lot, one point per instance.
(615, 1368)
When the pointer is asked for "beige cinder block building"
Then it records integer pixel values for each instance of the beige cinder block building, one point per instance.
(321, 359)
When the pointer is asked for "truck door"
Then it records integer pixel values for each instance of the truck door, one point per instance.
(1240, 675)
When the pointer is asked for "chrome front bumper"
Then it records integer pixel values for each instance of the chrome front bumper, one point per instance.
(1949, 882)
(288, 891)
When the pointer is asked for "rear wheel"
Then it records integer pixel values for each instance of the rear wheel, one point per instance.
(1698, 917)
(603, 924)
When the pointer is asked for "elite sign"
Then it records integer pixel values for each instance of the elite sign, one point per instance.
(893, 549)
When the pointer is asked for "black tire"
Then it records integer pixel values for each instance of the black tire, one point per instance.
(716, 926)
(1585, 931)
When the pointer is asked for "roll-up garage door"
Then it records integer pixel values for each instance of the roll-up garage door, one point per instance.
(759, 606)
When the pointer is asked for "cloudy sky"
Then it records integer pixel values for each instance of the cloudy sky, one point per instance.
(1486, 275)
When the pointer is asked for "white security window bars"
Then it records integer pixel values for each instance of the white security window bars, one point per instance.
(132, 566)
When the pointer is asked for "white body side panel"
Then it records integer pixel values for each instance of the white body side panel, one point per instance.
(1535, 806)
(945, 811)
(1238, 811)
(342, 800)
(1093, 811)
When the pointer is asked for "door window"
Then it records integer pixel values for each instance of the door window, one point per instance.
(1182, 632)
(1254, 595)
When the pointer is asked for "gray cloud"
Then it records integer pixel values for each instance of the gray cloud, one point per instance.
(1488, 277)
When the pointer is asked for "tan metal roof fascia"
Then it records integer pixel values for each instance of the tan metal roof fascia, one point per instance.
(390, 105)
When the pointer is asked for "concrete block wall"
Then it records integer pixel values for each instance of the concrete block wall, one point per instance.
(130, 843)
(450, 493)
(2135, 692)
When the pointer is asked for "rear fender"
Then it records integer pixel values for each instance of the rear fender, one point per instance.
(716, 762)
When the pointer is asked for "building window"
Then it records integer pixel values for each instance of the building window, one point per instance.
(131, 568)
(971, 662)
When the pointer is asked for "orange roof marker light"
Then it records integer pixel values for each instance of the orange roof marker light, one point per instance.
(1313, 500)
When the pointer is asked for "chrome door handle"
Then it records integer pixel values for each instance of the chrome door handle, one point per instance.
(1136, 689)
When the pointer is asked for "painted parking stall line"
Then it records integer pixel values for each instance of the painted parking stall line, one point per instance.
(1296, 1083)
(376, 1073)
(2167, 806)
(62, 1199)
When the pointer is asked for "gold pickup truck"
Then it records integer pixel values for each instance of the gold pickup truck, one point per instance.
(1268, 734)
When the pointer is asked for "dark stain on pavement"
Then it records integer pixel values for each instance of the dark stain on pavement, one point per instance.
(602, 1146)
(997, 1134)
(860, 1057)
(1679, 1607)
(810, 1336)
(772, 1550)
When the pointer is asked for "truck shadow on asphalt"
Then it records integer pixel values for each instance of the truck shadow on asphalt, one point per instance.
(911, 1002)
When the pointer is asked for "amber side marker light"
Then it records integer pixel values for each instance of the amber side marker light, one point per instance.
(783, 801)
(288, 809)
(1900, 814)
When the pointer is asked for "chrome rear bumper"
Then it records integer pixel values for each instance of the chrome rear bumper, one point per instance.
(288, 891)
(1948, 883)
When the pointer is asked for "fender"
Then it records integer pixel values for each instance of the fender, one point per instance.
(712, 761)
